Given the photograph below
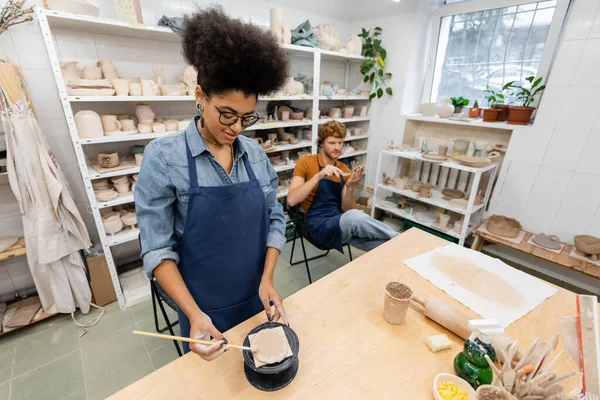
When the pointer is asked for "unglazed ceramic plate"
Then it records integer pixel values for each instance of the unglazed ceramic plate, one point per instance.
(120, 133)
(270, 345)
(89, 83)
(434, 157)
(90, 92)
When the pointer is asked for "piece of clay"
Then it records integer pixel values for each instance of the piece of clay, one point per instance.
(269, 346)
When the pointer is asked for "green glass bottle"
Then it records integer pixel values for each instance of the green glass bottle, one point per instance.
(471, 365)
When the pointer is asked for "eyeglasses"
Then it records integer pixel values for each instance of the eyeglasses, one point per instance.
(228, 118)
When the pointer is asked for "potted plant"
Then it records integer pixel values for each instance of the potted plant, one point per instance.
(459, 103)
(501, 98)
(373, 67)
(491, 114)
(475, 111)
(520, 115)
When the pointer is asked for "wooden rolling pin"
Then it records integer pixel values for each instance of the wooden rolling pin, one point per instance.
(441, 312)
(457, 322)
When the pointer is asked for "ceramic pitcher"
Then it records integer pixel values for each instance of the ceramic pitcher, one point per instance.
(446, 109)
(70, 71)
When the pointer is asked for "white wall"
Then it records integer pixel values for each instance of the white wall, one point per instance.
(551, 178)
(23, 45)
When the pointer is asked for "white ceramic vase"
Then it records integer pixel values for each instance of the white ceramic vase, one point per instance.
(277, 23)
(446, 109)
(143, 112)
(354, 45)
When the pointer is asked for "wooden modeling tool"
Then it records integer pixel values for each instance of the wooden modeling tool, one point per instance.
(189, 340)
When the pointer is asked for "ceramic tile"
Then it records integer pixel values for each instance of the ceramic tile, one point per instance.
(150, 343)
(529, 144)
(583, 194)
(594, 228)
(44, 347)
(31, 49)
(520, 179)
(6, 285)
(27, 332)
(511, 205)
(113, 320)
(550, 186)
(55, 380)
(580, 19)
(589, 64)
(12, 226)
(45, 96)
(566, 62)
(113, 362)
(539, 216)
(163, 355)
(569, 222)
(7, 355)
(589, 162)
(8, 51)
(19, 273)
(5, 391)
(580, 109)
(595, 31)
(78, 395)
(565, 149)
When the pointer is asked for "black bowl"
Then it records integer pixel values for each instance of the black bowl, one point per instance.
(277, 367)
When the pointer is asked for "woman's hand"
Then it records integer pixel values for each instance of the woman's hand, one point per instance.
(201, 327)
(267, 294)
(355, 176)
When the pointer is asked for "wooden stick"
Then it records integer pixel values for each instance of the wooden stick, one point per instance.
(189, 340)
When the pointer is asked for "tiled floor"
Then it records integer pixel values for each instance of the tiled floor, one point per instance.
(50, 361)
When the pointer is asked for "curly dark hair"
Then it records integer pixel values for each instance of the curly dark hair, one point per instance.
(230, 54)
(332, 128)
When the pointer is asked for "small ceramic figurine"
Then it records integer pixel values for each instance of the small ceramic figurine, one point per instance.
(293, 88)
(190, 78)
(158, 73)
(329, 39)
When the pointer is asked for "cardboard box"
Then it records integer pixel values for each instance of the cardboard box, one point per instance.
(103, 291)
(361, 204)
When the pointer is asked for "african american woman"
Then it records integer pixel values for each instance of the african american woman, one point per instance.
(211, 228)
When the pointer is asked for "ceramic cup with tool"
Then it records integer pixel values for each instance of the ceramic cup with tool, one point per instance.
(272, 377)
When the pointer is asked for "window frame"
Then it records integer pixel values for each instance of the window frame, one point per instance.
(469, 6)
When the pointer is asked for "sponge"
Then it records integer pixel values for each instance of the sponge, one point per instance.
(438, 343)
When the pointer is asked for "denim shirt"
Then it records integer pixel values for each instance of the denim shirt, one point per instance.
(161, 192)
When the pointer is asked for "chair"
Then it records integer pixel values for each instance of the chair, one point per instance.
(160, 296)
(301, 230)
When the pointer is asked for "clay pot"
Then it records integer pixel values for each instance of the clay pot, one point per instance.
(443, 150)
(108, 160)
(100, 184)
(120, 180)
(335, 113)
(110, 123)
(293, 87)
(135, 89)
(92, 73)
(400, 183)
(396, 302)
(503, 226)
(149, 88)
(70, 71)
(354, 45)
(297, 115)
(129, 219)
(121, 86)
(588, 245)
(273, 138)
(458, 109)
(490, 114)
(416, 186)
(503, 114)
(519, 115)
(128, 125)
(285, 116)
(144, 113)
(89, 124)
(144, 128)
(106, 195)
(425, 191)
(443, 221)
(112, 225)
(460, 147)
(171, 125)
(122, 187)
(108, 69)
(138, 159)
(475, 112)
(445, 110)
(348, 111)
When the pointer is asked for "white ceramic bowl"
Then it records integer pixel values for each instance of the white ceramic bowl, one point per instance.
(112, 226)
(461, 383)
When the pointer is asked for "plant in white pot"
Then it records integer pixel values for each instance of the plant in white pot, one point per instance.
(520, 115)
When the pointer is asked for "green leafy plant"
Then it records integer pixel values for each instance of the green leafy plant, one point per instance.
(527, 96)
(459, 101)
(500, 97)
(373, 68)
(476, 104)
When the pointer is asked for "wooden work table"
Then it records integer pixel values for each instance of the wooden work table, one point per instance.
(347, 349)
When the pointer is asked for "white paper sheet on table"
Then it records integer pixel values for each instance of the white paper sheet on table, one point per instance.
(486, 285)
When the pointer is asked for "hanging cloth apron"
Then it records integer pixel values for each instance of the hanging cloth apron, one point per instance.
(324, 214)
(223, 248)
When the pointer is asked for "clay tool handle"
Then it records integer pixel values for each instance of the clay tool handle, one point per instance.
(189, 340)
(447, 316)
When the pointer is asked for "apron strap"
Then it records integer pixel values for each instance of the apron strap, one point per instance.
(191, 166)
(249, 169)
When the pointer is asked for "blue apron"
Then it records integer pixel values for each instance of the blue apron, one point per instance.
(324, 214)
(223, 248)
